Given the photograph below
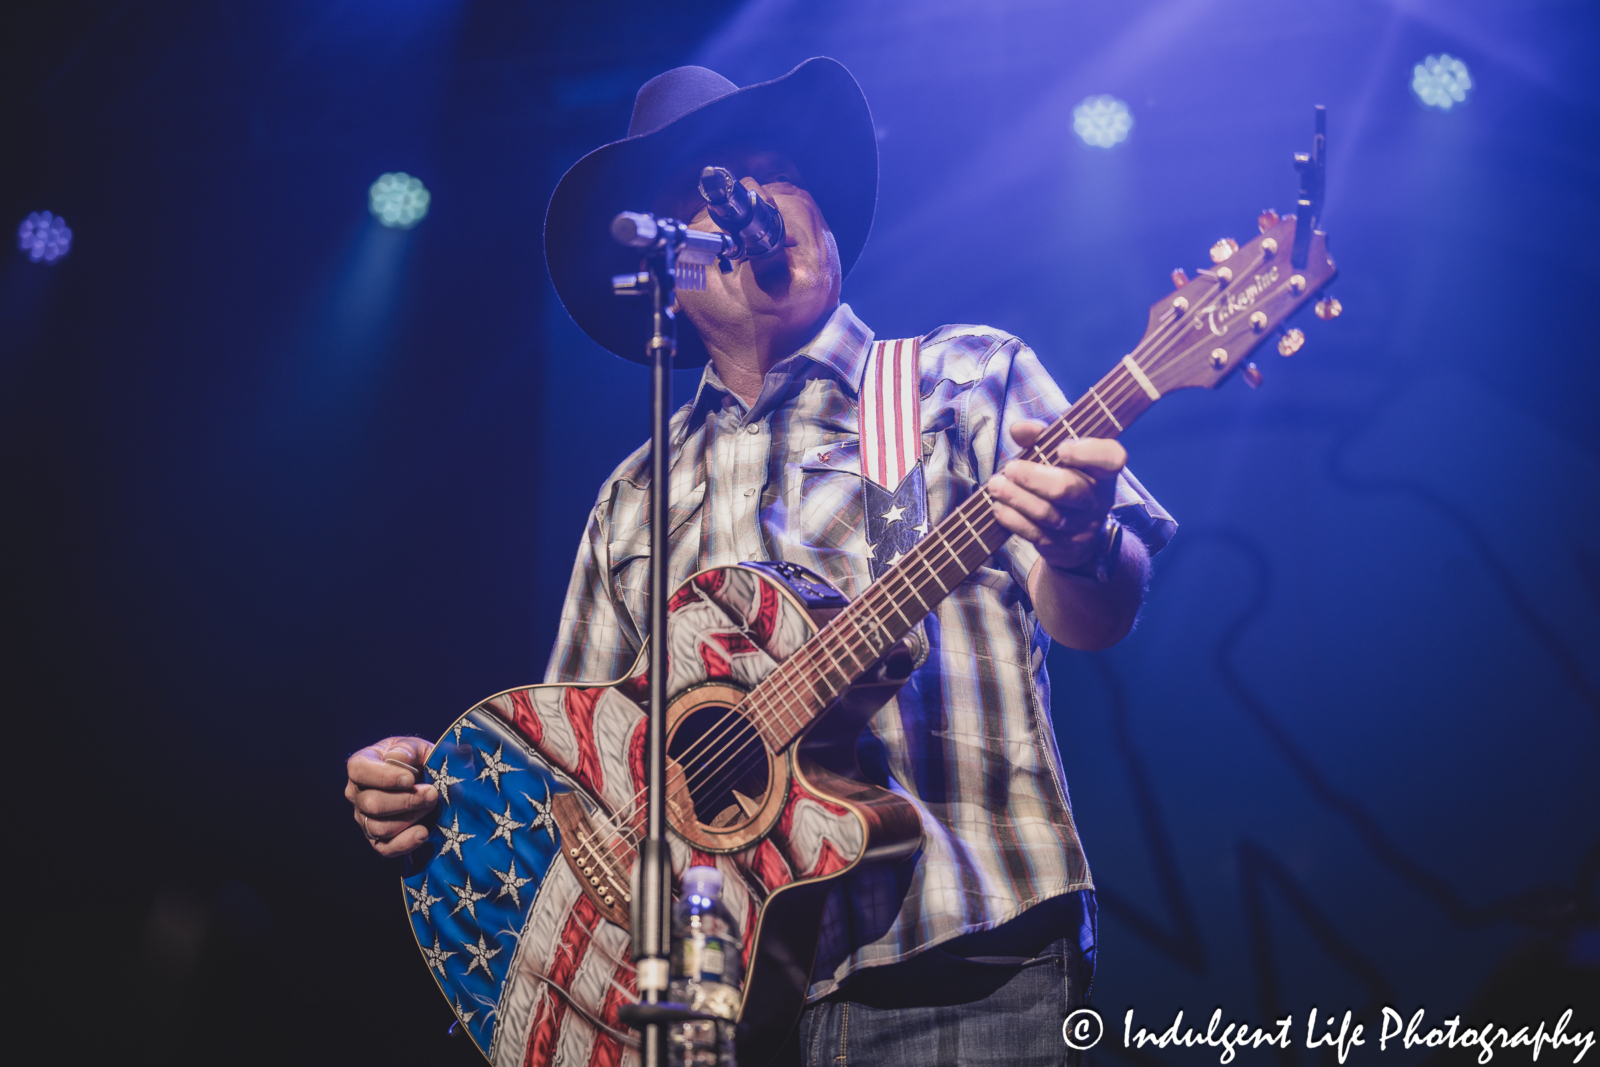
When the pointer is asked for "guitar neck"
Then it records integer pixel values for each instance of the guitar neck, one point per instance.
(793, 695)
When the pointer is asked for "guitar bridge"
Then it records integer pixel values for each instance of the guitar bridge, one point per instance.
(601, 872)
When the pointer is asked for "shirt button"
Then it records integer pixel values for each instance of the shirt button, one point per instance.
(752, 428)
(749, 492)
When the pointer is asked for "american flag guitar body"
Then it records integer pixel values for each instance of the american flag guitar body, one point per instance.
(520, 899)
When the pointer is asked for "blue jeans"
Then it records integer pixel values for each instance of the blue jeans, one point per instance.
(998, 998)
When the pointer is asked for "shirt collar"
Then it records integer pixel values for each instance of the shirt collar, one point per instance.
(840, 347)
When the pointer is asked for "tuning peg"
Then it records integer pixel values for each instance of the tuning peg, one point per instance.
(1179, 278)
(1266, 220)
(1252, 376)
(1223, 249)
(1291, 342)
(1328, 308)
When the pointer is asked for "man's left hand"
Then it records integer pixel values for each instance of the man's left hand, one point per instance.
(1061, 510)
(383, 785)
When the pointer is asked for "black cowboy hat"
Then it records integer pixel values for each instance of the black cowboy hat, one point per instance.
(815, 114)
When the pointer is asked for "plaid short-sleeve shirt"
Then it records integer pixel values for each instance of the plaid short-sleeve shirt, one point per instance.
(968, 739)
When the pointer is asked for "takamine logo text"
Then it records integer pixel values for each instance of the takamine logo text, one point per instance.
(1218, 315)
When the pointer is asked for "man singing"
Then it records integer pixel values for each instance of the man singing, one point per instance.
(974, 950)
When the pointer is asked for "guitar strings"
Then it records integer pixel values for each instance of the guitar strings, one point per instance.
(765, 704)
(868, 605)
(807, 666)
(830, 635)
(808, 662)
(964, 540)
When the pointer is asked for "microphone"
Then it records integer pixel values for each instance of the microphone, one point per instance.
(755, 225)
(693, 250)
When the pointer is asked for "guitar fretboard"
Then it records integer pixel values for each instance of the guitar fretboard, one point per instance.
(793, 695)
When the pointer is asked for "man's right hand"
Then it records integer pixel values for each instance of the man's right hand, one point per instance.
(383, 788)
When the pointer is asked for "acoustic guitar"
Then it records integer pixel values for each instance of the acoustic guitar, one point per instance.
(520, 899)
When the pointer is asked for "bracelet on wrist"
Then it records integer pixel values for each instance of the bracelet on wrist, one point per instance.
(1100, 567)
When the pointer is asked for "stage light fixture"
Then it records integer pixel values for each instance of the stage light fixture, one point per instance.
(44, 237)
(1102, 121)
(1441, 81)
(398, 200)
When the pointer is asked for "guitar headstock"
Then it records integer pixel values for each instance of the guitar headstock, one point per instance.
(1207, 328)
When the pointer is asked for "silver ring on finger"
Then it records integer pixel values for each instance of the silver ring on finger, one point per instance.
(367, 830)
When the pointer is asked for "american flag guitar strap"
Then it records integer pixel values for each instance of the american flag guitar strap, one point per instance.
(894, 490)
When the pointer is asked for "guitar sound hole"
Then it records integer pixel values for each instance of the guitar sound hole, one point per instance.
(722, 758)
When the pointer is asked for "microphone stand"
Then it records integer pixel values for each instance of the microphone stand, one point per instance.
(673, 254)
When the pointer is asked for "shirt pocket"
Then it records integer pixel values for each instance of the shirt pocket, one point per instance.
(822, 495)
(628, 558)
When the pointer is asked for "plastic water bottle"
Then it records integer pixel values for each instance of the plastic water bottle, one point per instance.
(707, 971)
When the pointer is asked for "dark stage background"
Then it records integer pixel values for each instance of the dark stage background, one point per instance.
(279, 481)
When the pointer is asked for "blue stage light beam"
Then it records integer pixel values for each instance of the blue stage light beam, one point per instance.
(45, 237)
(398, 200)
(1102, 121)
(1441, 81)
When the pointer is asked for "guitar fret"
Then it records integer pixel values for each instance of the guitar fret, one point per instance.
(933, 573)
(866, 632)
(834, 665)
(788, 716)
(768, 721)
(968, 522)
(794, 692)
(853, 646)
(814, 660)
(982, 543)
(949, 549)
(778, 699)
(871, 632)
(1102, 403)
(916, 591)
(893, 599)
(898, 611)
(820, 693)
(810, 671)
(792, 718)
(847, 645)
(828, 672)
(1134, 399)
(789, 711)
(901, 578)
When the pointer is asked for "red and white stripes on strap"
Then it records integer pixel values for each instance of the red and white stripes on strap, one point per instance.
(891, 413)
